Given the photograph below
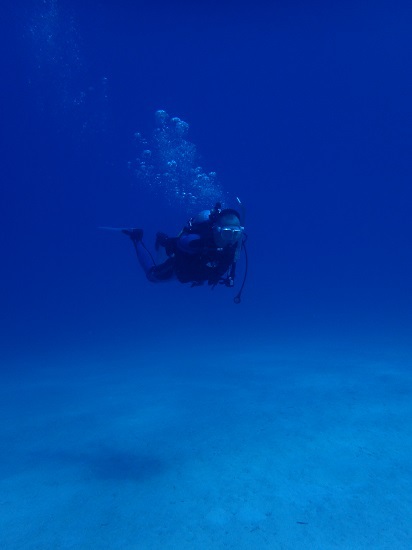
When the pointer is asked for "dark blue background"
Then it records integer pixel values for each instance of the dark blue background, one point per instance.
(304, 111)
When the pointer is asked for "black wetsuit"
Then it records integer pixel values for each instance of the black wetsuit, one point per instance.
(193, 258)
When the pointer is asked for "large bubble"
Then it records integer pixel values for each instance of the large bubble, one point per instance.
(168, 164)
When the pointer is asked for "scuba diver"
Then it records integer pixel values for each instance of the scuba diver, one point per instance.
(206, 250)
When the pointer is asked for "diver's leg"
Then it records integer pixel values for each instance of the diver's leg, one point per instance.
(162, 272)
(144, 257)
(155, 273)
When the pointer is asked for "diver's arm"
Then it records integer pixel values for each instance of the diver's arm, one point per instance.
(191, 243)
(168, 243)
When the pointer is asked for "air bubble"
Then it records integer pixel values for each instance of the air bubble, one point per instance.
(169, 165)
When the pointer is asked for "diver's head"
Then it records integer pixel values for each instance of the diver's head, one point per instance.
(227, 230)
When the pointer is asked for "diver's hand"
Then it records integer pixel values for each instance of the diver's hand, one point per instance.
(161, 240)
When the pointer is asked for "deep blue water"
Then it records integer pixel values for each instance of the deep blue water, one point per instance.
(302, 110)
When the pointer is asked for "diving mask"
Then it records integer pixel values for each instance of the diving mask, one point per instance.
(228, 235)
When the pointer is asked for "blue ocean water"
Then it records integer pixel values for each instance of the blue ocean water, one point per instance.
(302, 111)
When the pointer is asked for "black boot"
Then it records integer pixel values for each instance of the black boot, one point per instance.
(134, 233)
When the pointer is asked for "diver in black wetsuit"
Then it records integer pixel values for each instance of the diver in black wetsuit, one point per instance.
(206, 250)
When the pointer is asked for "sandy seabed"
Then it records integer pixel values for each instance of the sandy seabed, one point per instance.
(307, 448)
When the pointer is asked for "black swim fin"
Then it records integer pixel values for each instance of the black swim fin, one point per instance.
(133, 232)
